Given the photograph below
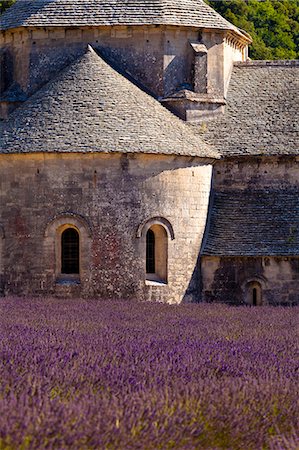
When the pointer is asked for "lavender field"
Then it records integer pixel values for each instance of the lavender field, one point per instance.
(120, 375)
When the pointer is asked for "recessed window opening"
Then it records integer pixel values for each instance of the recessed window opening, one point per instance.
(254, 296)
(150, 252)
(70, 252)
(156, 254)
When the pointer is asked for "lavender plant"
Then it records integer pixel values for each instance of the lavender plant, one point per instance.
(78, 374)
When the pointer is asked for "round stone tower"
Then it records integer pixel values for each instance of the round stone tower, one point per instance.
(104, 193)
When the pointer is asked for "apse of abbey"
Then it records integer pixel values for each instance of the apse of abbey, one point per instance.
(144, 156)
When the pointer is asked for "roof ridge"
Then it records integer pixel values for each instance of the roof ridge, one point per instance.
(267, 63)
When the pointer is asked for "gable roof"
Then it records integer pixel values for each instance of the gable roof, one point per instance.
(254, 223)
(90, 107)
(43, 13)
(261, 116)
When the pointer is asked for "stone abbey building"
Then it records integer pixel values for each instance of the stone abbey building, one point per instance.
(144, 156)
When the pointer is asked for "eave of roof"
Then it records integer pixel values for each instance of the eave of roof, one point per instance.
(49, 13)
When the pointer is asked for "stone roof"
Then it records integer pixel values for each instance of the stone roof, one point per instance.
(261, 116)
(90, 107)
(13, 94)
(255, 223)
(44, 13)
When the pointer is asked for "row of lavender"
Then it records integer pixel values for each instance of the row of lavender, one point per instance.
(119, 375)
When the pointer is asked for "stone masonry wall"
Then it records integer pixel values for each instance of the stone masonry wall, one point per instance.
(226, 279)
(159, 57)
(256, 173)
(225, 276)
(108, 197)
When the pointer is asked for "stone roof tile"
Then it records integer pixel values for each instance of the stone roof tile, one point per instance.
(261, 116)
(37, 13)
(90, 107)
(254, 223)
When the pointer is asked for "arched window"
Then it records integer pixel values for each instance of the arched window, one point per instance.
(254, 296)
(150, 252)
(156, 254)
(155, 234)
(67, 248)
(70, 251)
(254, 293)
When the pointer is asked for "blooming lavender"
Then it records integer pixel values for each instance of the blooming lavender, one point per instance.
(78, 374)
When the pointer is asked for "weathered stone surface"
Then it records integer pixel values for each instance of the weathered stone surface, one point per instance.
(92, 108)
(226, 279)
(44, 13)
(253, 231)
(108, 197)
(261, 116)
(253, 223)
(92, 148)
(254, 208)
(158, 59)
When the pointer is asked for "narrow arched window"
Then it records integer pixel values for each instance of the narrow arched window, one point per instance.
(254, 296)
(70, 251)
(156, 253)
(150, 252)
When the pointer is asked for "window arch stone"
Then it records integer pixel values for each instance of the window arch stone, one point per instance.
(68, 217)
(155, 234)
(253, 292)
(53, 246)
(147, 224)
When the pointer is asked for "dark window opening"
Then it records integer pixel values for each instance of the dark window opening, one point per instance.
(254, 297)
(150, 252)
(70, 251)
(6, 71)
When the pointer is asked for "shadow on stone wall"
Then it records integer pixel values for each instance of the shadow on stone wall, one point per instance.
(193, 291)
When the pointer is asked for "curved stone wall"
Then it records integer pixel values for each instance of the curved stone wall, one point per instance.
(108, 198)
